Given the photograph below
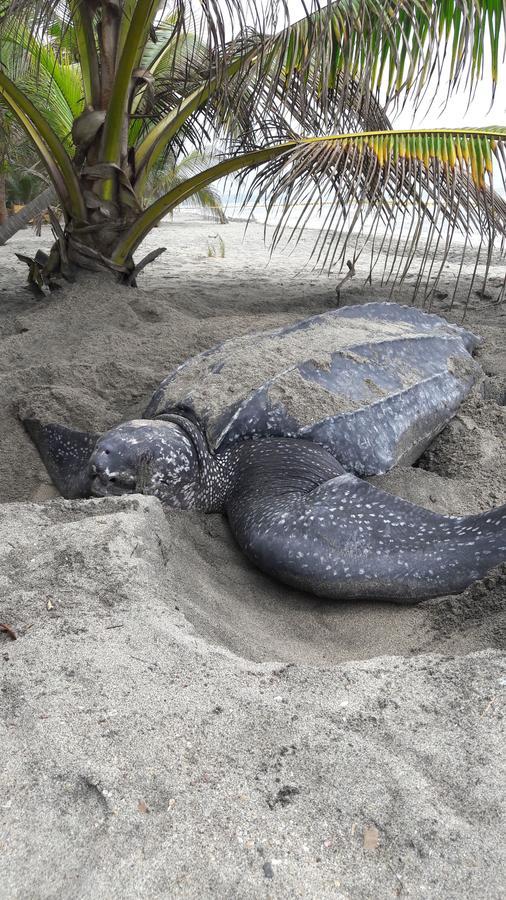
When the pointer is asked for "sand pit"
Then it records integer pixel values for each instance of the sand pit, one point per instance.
(175, 723)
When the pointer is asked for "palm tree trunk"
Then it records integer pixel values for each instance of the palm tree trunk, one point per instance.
(3, 207)
(22, 218)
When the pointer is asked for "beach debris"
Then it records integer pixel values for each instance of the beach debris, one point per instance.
(215, 249)
(489, 706)
(49, 604)
(6, 629)
(350, 274)
(35, 269)
(268, 870)
(371, 837)
(142, 806)
(284, 796)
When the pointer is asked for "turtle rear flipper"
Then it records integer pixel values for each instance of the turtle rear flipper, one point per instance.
(346, 539)
(65, 454)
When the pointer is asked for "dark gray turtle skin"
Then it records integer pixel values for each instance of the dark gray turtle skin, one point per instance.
(274, 430)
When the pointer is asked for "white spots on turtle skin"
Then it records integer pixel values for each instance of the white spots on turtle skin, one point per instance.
(345, 538)
(64, 446)
(147, 457)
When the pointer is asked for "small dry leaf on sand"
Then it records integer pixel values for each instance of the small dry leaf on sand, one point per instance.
(371, 837)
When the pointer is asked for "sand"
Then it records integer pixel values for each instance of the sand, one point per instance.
(173, 722)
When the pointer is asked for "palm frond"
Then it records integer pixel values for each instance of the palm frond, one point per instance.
(169, 173)
(323, 73)
(345, 55)
(398, 195)
(395, 45)
(50, 148)
(52, 82)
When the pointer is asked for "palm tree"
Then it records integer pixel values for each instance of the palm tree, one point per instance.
(53, 82)
(297, 103)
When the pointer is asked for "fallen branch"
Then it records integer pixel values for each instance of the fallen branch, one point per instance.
(351, 272)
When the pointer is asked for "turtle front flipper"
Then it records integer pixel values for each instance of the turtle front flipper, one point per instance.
(346, 539)
(65, 454)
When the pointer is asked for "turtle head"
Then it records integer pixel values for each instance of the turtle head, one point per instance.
(149, 456)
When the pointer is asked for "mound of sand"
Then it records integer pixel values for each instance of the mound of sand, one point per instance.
(173, 722)
(140, 760)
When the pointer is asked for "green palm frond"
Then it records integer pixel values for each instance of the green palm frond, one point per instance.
(50, 148)
(62, 103)
(23, 186)
(56, 64)
(402, 180)
(396, 45)
(422, 187)
(250, 106)
(174, 61)
(168, 174)
(52, 81)
(173, 45)
(321, 74)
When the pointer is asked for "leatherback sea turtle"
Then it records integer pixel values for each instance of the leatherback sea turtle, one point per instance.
(275, 429)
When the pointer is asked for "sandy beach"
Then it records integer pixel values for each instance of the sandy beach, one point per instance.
(175, 724)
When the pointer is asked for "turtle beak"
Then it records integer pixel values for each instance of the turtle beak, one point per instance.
(106, 483)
